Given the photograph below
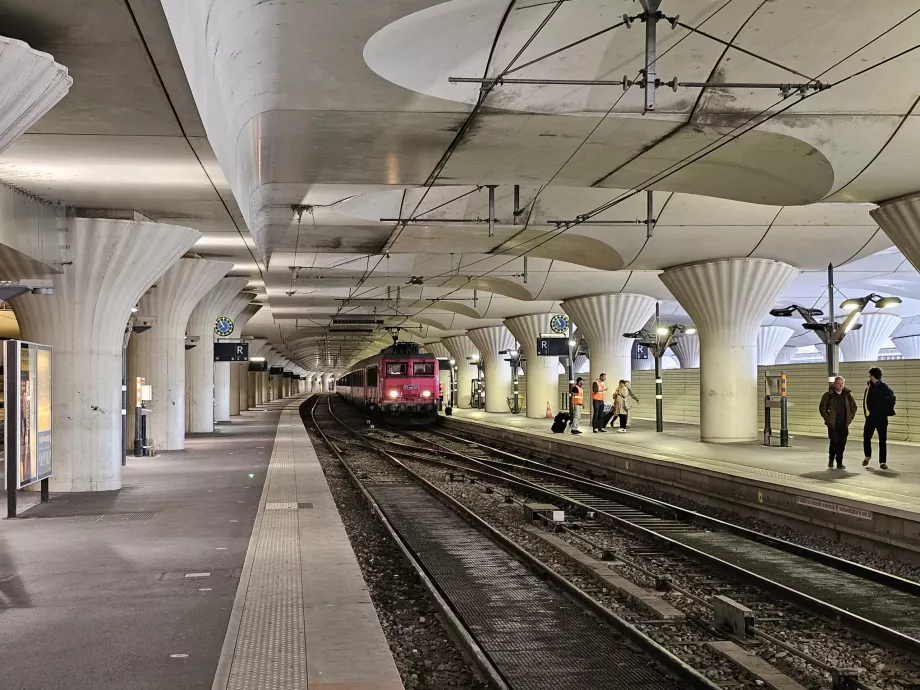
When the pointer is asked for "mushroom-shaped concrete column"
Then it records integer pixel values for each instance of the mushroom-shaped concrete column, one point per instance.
(223, 371)
(111, 264)
(727, 300)
(490, 341)
(687, 349)
(770, 339)
(462, 350)
(900, 220)
(257, 346)
(159, 354)
(542, 372)
(908, 346)
(200, 359)
(863, 345)
(438, 350)
(785, 354)
(239, 379)
(603, 319)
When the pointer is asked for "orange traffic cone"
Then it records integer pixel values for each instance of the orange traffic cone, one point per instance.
(549, 411)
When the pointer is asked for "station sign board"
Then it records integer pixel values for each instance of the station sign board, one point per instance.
(258, 366)
(276, 371)
(640, 351)
(552, 347)
(288, 374)
(231, 352)
(27, 412)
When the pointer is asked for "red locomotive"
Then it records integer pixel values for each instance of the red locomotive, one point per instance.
(399, 382)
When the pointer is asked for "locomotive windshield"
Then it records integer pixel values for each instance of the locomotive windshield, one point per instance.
(397, 368)
(423, 368)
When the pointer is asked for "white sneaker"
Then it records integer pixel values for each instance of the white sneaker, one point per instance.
(622, 431)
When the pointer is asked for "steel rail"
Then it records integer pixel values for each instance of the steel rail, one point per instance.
(656, 651)
(454, 625)
(673, 511)
(823, 609)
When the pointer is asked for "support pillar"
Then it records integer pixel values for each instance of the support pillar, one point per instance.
(863, 345)
(687, 350)
(111, 264)
(222, 370)
(200, 359)
(908, 346)
(603, 319)
(439, 351)
(727, 300)
(266, 388)
(159, 354)
(770, 340)
(238, 379)
(542, 372)
(490, 341)
(461, 349)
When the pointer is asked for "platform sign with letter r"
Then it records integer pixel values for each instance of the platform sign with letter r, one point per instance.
(552, 347)
(231, 352)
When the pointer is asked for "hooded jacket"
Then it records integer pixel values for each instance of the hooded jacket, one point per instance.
(828, 406)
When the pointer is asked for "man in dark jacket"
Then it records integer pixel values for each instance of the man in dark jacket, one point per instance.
(878, 405)
(837, 408)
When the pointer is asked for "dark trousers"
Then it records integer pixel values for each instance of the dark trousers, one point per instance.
(597, 420)
(880, 424)
(623, 418)
(838, 442)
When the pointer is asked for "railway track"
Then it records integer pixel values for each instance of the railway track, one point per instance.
(864, 605)
(522, 624)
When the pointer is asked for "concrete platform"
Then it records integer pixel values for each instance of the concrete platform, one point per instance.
(134, 590)
(791, 485)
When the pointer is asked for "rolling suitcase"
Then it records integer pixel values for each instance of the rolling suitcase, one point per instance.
(560, 422)
(608, 414)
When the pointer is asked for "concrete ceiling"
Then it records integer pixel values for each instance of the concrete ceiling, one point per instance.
(222, 116)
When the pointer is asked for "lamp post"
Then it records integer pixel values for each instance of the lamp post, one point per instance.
(830, 332)
(658, 343)
(453, 384)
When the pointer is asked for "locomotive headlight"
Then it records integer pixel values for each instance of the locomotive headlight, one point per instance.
(426, 394)
(394, 394)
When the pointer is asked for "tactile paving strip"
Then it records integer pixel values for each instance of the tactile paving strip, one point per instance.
(271, 650)
(537, 637)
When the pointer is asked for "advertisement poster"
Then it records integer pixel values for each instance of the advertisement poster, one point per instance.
(34, 413)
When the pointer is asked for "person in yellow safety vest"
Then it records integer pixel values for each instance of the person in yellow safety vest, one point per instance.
(598, 393)
(578, 404)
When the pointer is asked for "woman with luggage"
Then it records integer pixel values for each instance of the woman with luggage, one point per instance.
(622, 401)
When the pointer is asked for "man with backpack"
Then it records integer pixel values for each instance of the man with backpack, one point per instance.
(878, 406)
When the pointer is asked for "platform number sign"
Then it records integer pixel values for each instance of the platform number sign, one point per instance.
(559, 323)
(223, 327)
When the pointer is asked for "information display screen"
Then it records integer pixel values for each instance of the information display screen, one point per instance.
(231, 352)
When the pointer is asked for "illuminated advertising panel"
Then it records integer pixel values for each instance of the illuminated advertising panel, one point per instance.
(27, 410)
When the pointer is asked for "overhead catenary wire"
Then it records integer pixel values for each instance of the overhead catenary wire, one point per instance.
(704, 152)
(584, 141)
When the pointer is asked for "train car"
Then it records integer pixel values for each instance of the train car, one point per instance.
(400, 382)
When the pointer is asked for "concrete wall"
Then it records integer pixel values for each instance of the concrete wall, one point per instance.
(806, 384)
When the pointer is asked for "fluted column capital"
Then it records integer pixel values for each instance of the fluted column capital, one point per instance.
(438, 350)
(526, 329)
(863, 344)
(609, 316)
(490, 341)
(770, 339)
(460, 347)
(687, 350)
(900, 220)
(908, 346)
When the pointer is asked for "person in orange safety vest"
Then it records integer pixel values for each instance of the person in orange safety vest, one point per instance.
(598, 393)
